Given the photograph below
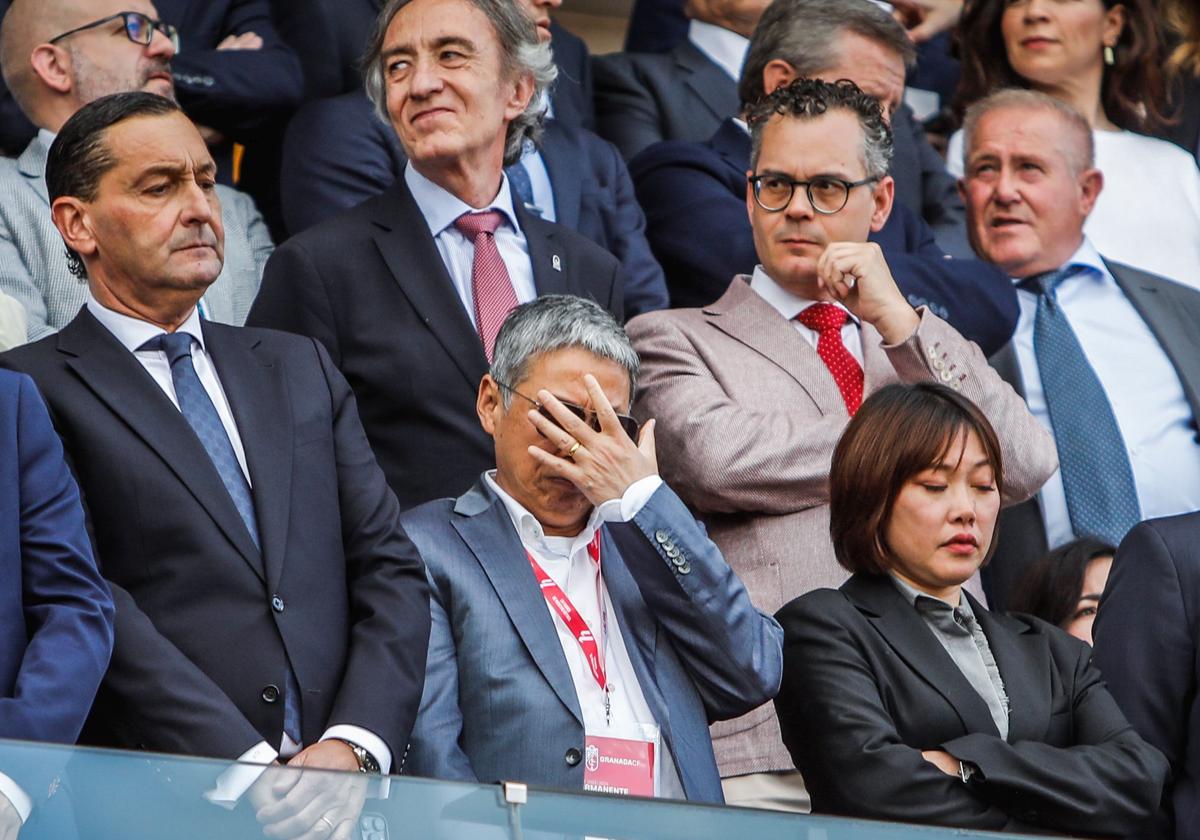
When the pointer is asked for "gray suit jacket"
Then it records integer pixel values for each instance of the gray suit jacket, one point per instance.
(748, 416)
(1172, 312)
(499, 700)
(33, 261)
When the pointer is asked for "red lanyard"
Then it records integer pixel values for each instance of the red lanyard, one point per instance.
(562, 605)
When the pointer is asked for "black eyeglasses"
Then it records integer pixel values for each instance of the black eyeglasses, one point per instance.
(773, 191)
(138, 28)
(628, 424)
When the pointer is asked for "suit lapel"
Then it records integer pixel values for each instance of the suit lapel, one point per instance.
(1023, 658)
(117, 378)
(562, 160)
(901, 626)
(743, 315)
(707, 81)
(408, 249)
(490, 535)
(32, 164)
(1172, 322)
(552, 274)
(258, 397)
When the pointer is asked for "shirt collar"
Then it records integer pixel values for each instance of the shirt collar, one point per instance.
(530, 530)
(1087, 256)
(133, 332)
(440, 207)
(786, 303)
(723, 47)
(912, 596)
(46, 136)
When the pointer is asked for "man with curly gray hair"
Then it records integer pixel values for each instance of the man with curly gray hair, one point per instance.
(408, 289)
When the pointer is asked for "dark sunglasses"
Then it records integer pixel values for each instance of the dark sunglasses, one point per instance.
(139, 28)
(628, 424)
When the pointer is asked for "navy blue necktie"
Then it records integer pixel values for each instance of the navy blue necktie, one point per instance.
(198, 409)
(1097, 477)
(522, 185)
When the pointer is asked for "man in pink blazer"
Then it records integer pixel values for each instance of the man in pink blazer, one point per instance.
(752, 393)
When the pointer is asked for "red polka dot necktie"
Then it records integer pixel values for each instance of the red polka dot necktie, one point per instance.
(826, 320)
(491, 286)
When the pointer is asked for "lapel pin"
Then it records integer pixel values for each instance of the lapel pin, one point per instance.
(556, 263)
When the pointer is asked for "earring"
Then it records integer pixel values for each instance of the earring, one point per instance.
(1110, 55)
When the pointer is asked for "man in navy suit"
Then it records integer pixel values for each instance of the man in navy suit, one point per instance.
(264, 610)
(1147, 640)
(578, 607)
(407, 290)
(338, 154)
(56, 615)
(695, 194)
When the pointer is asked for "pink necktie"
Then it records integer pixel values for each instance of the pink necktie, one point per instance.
(826, 320)
(490, 283)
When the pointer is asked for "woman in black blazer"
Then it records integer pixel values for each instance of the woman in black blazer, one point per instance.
(903, 698)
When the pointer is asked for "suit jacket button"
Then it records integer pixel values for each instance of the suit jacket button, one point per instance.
(277, 604)
(572, 757)
(270, 694)
(684, 568)
(661, 537)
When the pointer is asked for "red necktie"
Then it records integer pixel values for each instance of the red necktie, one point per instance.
(826, 320)
(490, 284)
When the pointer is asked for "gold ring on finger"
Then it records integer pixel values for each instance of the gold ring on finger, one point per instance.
(574, 448)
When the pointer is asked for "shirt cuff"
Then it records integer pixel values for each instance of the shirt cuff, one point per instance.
(364, 738)
(235, 781)
(19, 799)
(631, 503)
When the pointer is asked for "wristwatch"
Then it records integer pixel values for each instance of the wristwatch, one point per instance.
(967, 772)
(366, 761)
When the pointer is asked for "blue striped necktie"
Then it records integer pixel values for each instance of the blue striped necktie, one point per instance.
(1097, 478)
(198, 409)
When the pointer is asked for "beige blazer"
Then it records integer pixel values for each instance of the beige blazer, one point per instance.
(748, 416)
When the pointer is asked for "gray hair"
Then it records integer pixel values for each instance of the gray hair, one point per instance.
(808, 99)
(805, 34)
(559, 322)
(521, 53)
(1081, 154)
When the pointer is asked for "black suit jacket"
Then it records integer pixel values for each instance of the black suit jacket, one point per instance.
(205, 624)
(372, 287)
(694, 195)
(1147, 636)
(1172, 312)
(642, 98)
(867, 687)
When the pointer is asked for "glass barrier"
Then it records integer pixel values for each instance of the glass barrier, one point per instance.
(91, 794)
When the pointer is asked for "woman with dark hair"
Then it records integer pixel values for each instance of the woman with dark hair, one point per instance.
(1105, 59)
(1064, 586)
(903, 698)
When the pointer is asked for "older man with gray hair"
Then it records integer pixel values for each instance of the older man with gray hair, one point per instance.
(585, 629)
(409, 289)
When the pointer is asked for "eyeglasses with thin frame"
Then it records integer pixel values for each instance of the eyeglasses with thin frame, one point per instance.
(628, 424)
(827, 195)
(139, 28)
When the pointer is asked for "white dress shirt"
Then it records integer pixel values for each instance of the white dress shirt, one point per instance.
(722, 46)
(440, 209)
(1147, 397)
(790, 305)
(567, 562)
(132, 334)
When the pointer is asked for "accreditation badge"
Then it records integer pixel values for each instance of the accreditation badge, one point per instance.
(625, 766)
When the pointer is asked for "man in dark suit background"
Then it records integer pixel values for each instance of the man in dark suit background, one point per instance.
(695, 193)
(339, 154)
(407, 303)
(263, 608)
(56, 614)
(1107, 356)
(1147, 636)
